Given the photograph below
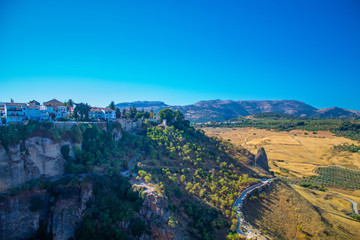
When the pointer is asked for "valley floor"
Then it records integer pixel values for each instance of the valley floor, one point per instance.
(298, 154)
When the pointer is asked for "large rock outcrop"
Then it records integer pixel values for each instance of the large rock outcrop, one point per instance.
(68, 212)
(158, 218)
(30, 159)
(261, 159)
(22, 214)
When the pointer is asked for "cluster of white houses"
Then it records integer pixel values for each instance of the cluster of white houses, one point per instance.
(12, 112)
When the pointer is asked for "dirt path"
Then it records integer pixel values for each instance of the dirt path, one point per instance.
(353, 203)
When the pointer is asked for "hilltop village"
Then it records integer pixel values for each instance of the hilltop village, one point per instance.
(55, 110)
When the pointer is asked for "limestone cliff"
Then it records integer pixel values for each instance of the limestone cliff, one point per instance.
(30, 159)
(261, 159)
(68, 212)
(60, 212)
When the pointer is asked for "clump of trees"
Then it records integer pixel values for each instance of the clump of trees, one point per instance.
(81, 112)
(347, 147)
(173, 118)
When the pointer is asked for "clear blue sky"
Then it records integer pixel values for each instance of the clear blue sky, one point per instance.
(181, 52)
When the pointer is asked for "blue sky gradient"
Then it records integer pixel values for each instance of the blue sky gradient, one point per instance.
(181, 52)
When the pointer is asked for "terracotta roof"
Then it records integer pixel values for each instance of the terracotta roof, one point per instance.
(95, 110)
(53, 102)
(15, 104)
(108, 109)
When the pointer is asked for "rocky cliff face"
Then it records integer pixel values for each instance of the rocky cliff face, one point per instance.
(261, 159)
(35, 157)
(22, 214)
(157, 216)
(17, 221)
(68, 212)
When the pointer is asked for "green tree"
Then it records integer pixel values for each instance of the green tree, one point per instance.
(81, 111)
(118, 113)
(112, 105)
(132, 112)
(124, 114)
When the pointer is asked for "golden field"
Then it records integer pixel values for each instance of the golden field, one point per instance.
(294, 150)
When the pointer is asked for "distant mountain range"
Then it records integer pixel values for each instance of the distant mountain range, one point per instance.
(219, 110)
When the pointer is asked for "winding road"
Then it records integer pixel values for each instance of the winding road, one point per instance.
(353, 203)
(244, 228)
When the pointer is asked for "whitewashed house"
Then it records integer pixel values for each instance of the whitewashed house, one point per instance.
(96, 113)
(34, 113)
(109, 114)
(56, 107)
(15, 112)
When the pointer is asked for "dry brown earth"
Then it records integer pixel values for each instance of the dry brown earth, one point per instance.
(294, 150)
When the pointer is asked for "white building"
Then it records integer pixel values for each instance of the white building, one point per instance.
(15, 112)
(56, 107)
(96, 113)
(34, 113)
(109, 114)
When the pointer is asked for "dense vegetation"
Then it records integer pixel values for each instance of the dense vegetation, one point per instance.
(345, 128)
(114, 202)
(332, 176)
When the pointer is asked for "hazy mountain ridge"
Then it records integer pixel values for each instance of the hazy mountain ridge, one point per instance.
(223, 110)
(146, 105)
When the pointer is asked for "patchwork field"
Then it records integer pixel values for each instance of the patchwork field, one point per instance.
(299, 152)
